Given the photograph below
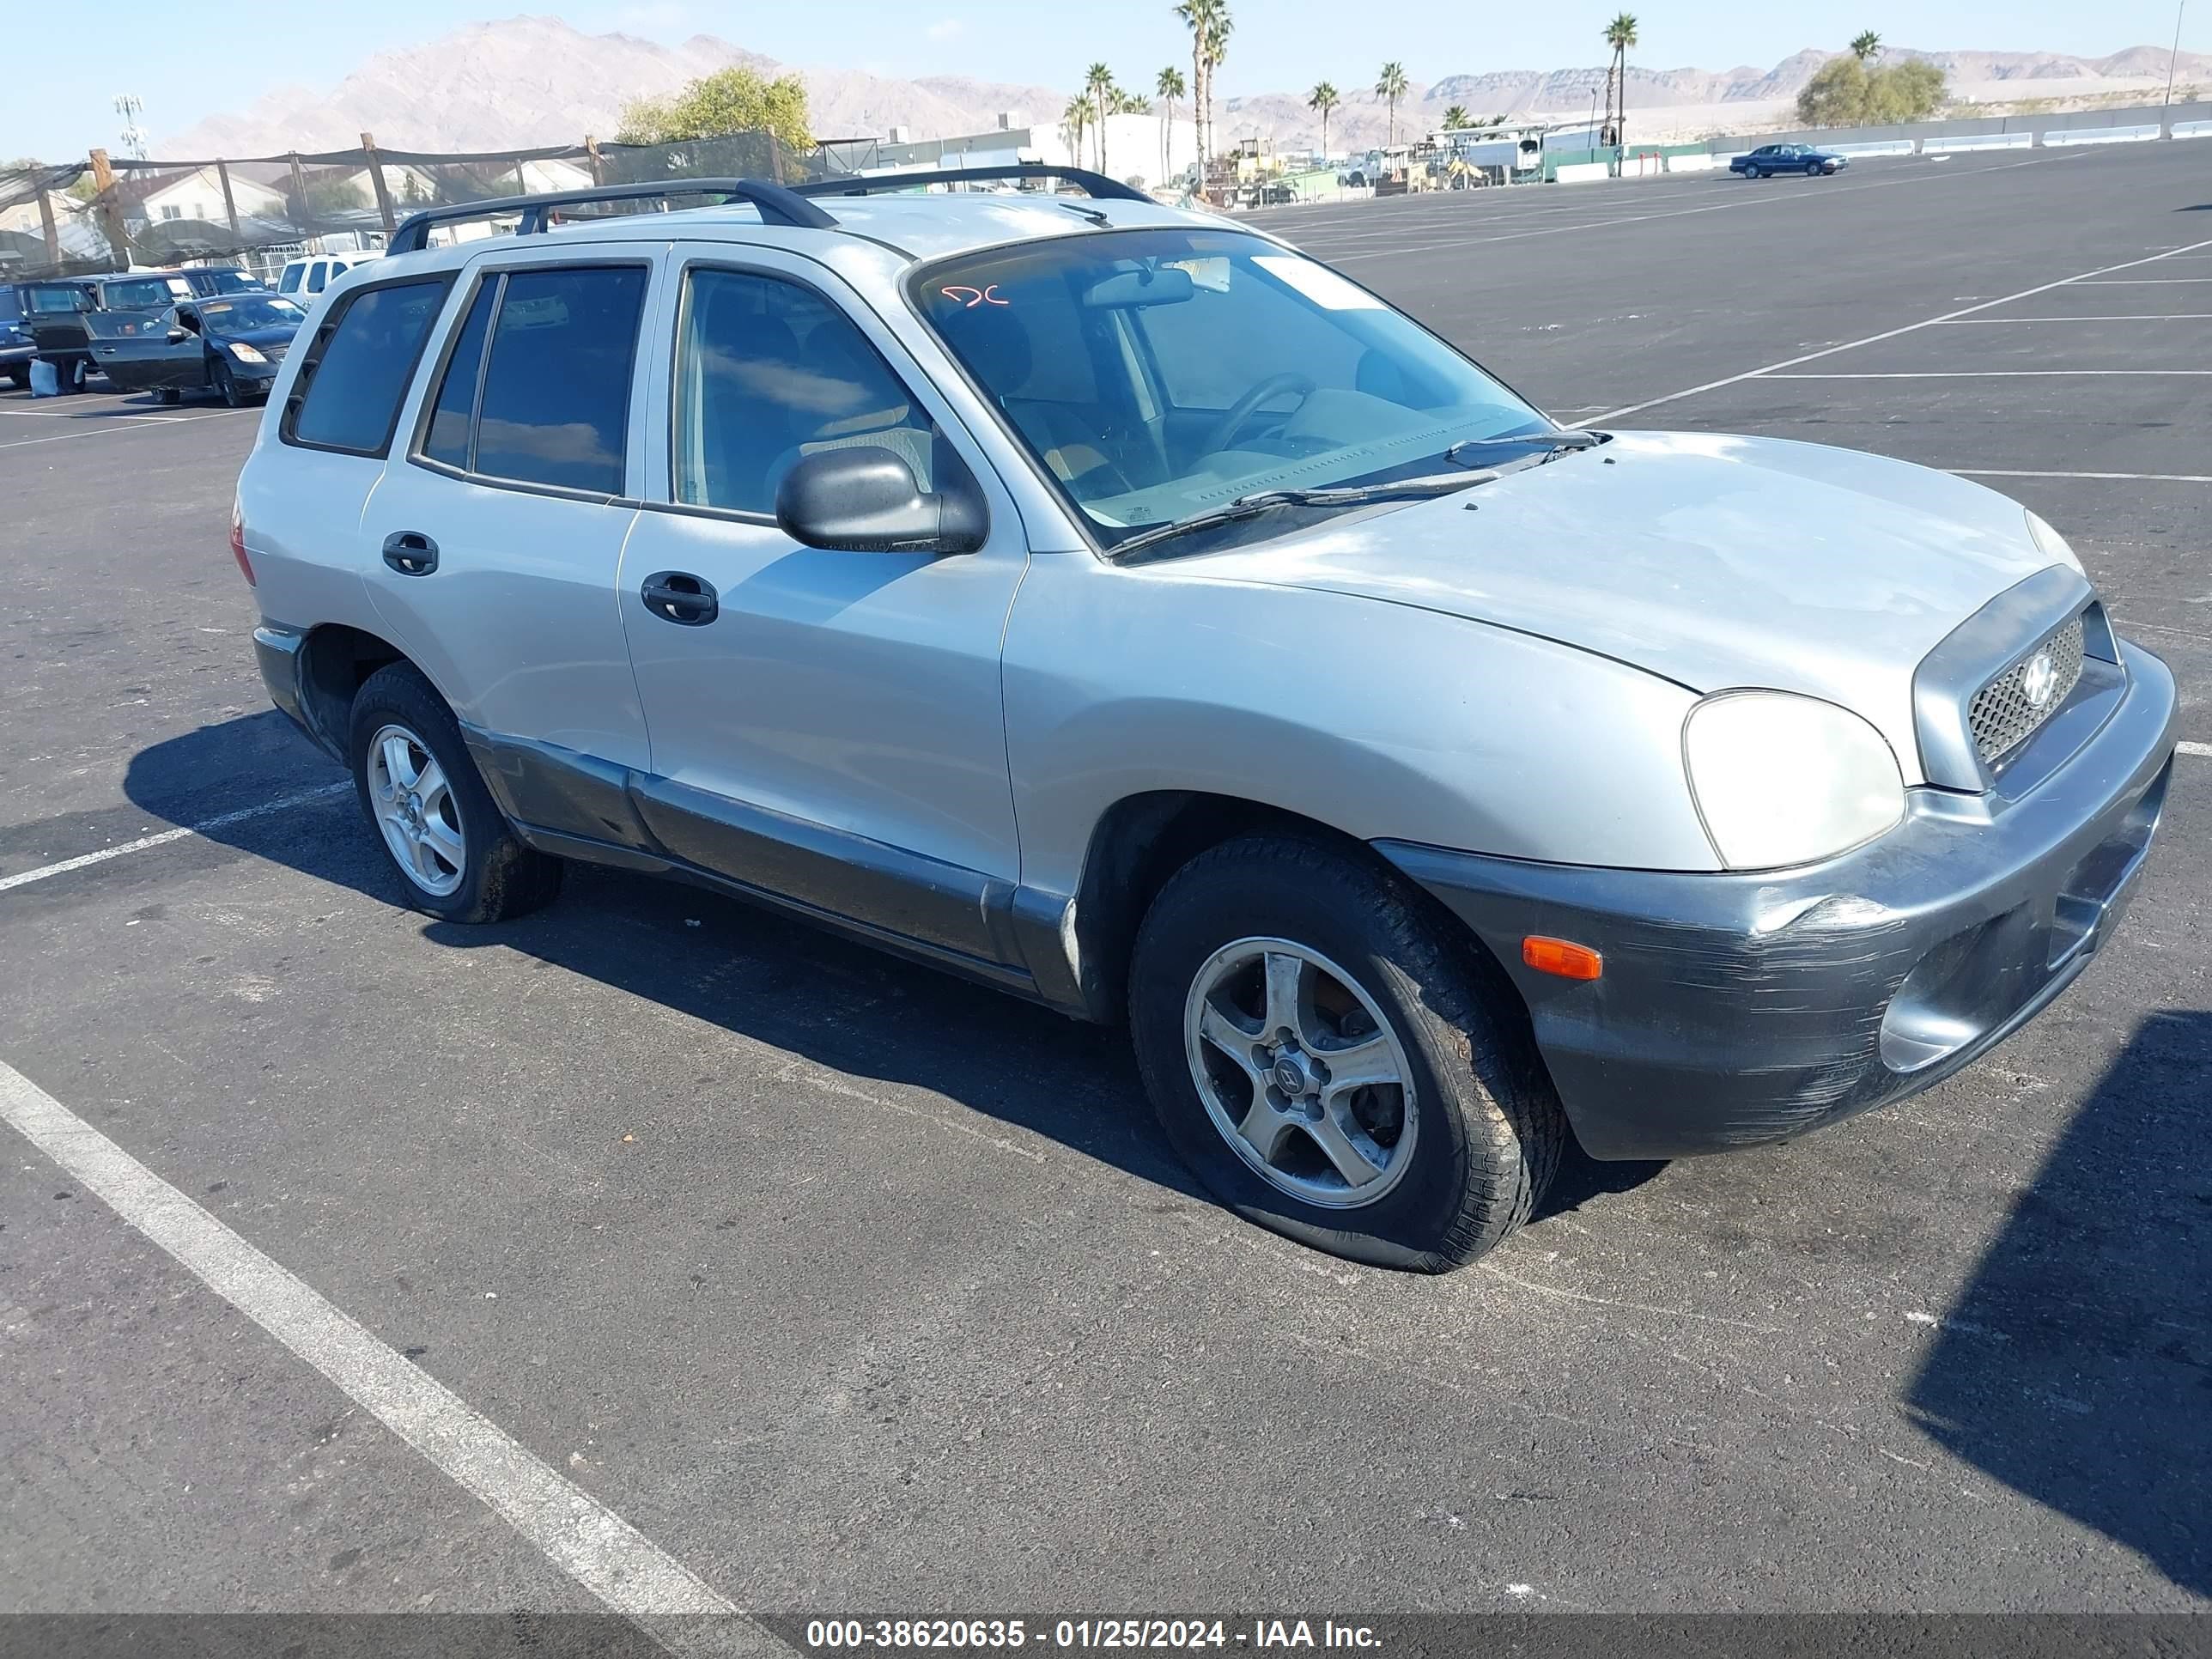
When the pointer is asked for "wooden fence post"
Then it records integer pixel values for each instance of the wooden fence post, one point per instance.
(383, 190)
(111, 211)
(598, 162)
(46, 224)
(229, 202)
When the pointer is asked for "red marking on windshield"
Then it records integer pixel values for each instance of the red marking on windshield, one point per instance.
(970, 298)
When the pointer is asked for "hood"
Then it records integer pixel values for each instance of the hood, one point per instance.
(1714, 561)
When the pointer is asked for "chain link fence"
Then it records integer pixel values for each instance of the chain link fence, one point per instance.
(258, 211)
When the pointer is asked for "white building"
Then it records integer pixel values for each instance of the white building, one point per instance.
(198, 194)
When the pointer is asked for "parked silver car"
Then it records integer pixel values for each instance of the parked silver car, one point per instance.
(1115, 605)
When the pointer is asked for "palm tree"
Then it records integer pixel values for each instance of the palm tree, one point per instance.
(1391, 87)
(1167, 87)
(1456, 117)
(1620, 35)
(1074, 121)
(1323, 98)
(1866, 45)
(1098, 83)
(1210, 24)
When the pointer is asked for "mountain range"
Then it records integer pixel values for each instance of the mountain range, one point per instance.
(527, 80)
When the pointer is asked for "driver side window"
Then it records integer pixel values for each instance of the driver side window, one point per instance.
(769, 372)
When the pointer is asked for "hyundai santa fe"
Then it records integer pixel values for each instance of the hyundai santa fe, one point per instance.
(1112, 605)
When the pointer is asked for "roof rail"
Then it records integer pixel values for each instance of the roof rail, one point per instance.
(777, 205)
(1094, 184)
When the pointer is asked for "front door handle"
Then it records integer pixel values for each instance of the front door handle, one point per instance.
(410, 552)
(679, 597)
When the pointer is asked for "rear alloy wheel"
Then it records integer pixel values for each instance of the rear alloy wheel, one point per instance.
(1337, 1062)
(456, 855)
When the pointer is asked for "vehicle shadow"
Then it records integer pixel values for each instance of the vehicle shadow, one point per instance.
(2076, 1365)
(771, 979)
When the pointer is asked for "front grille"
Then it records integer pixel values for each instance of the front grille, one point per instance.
(2013, 706)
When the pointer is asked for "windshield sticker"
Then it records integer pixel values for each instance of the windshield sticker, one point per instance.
(968, 298)
(1317, 282)
(1210, 274)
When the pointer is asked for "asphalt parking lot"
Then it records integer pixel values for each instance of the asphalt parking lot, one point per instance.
(850, 1287)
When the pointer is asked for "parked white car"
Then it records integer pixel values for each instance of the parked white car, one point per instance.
(1120, 608)
(303, 278)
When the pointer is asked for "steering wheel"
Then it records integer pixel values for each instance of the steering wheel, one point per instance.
(1245, 407)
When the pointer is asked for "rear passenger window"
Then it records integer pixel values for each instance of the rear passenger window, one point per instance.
(769, 371)
(454, 414)
(555, 408)
(348, 392)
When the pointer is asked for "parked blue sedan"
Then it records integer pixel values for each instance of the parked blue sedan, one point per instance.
(1787, 158)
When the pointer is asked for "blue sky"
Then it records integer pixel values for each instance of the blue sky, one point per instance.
(184, 72)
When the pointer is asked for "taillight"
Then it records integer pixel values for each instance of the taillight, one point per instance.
(238, 543)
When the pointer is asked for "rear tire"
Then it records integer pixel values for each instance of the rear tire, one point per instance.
(455, 853)
(1459, 1147)
(168, 394)
(19, 376)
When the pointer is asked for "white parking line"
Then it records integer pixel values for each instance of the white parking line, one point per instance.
(2201, 751)
(2134, 477)
(2132, 317)
(573, 1530)
(25, 878)
(1771, 370)
(2146, 281)
(141, 424)
(1973, 374)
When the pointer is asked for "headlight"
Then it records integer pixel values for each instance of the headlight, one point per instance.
(1780, 778)
(245, 353)
(2052, 546)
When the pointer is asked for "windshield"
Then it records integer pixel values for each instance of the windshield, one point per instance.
(1158, 374)
(249, 311)
(229, 281)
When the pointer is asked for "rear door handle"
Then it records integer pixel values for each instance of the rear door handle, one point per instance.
(679, 597)
(410, 552)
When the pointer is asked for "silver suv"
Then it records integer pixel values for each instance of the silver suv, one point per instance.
(1112, 605)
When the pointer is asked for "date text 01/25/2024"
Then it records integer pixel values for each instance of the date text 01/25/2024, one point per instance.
(1257, 1635)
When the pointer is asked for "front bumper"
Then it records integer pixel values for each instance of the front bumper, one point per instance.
(1736, 1009)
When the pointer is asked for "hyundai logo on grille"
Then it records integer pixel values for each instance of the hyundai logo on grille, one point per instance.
(2039, 679)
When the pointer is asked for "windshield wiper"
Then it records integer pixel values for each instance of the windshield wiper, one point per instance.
(1250, 507)
(1546, 443)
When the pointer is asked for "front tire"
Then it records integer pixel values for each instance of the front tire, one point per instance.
(227, 383)
(454, 852)
(1336, 1064)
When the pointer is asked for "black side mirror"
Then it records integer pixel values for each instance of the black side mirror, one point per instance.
(866, 500)
(179, 336)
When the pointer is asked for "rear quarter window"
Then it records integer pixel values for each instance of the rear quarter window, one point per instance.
(348, 389)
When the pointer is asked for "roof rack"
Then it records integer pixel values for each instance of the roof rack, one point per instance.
(1096, 184)
(777, 205)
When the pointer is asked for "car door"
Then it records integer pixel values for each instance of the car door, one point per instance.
(824, 725)
(133, 351)
(497, 527)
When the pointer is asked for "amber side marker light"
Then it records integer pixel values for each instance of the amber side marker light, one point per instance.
(1561, 956)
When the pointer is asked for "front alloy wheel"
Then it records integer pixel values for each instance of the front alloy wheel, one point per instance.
(1300, 1073)
(413, 805)
(1336, 1059)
